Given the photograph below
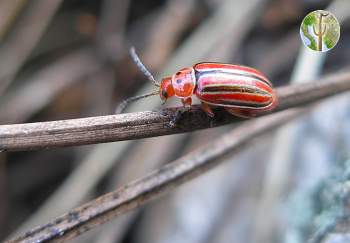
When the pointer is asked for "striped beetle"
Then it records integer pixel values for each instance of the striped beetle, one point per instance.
(242, 91)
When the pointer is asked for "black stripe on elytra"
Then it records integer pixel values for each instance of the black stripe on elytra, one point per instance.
(199, 74)
(244, 104)
(223, 88)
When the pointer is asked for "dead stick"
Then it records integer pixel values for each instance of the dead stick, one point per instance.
(150, 124)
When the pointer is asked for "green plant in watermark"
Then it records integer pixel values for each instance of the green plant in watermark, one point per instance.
(320, 31)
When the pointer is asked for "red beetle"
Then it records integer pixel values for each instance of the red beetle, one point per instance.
(242, 91)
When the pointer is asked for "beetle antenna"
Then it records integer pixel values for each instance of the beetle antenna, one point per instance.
(142, 67)
(121, 107)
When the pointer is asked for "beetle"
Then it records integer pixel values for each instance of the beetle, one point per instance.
(242, 91)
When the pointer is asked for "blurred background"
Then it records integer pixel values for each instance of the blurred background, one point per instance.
(69, 59)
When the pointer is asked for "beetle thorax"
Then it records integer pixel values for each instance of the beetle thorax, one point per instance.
(184, 82)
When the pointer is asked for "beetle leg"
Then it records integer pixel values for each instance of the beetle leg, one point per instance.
(242, 113)
(176, 117)
(206, 108)
(187, 102)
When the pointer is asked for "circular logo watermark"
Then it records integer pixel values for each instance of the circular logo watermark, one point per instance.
(320, 31)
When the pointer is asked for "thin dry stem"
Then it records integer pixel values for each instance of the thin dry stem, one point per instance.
(150, 124)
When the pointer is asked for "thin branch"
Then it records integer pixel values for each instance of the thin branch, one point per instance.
(137, 193)
(131, 169)
(150, 124)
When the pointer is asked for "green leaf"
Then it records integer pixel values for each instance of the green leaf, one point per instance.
(309, 19)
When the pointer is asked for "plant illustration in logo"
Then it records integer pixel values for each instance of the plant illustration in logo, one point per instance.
(320, 31)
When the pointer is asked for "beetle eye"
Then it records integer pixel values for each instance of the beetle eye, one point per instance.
(178, 81)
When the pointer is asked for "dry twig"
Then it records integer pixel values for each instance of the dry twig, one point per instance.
(149, 124)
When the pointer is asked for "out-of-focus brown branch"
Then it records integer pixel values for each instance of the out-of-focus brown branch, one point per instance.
(111, 28)
(39, 89)
(150, 124)
(171, 23)
(9, 10)
(137, 193)
(20, 44)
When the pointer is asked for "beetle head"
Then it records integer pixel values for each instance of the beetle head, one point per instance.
(166, 89)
